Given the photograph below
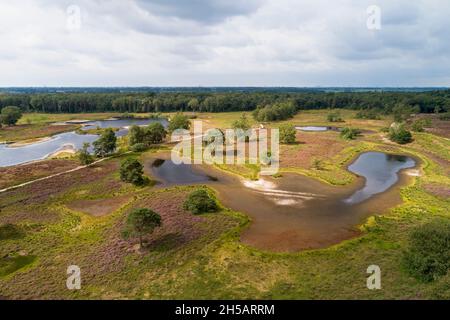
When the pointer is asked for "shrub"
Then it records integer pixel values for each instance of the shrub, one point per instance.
(132, 171)
(199, 202)
(141, 222)
(350, 133)
(428, 255)
(287, 133)
(334, 117)
(138, 147)
(445, 116)
(84, 156)
(399, 134)
(418, 125)
(10, 115)
(370, 114)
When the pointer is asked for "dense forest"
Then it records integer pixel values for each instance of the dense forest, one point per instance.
(426, 102)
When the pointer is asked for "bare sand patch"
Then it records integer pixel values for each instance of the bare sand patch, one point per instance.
(98, 207)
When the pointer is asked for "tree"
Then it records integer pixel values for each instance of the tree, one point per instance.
(136, 135)
(194, 104)
(242, 123)
(141, 222)
(154, 133)
(179, 121)
(399, 134)
(10, 115)
(132, 171)
(199, 201)
(287, 133)
(84, 156)
(106, 144)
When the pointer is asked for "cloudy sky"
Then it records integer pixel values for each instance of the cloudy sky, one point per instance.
(224, 43)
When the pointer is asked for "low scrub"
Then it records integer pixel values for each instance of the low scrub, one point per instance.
(200, 201)
(428, 255)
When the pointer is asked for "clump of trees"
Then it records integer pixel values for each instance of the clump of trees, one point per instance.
(84, 156)
(142, 137)
(428, 255)
(200, 201)
(141, 222)
(106, 144)
(399, 134)
(402, 112)
(179, 121)
(275, 112)
(10, 115)
(350, 133)
(334, 117)
(132, 171)
(287, 133)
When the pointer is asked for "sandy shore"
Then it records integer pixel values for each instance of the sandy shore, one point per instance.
(28, 142)
(67, 148)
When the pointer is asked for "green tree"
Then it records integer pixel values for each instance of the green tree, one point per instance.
(132, 171)
(136, 135)
(106, 144)
(241, 123)
(199, 201)
(141, 222)
(154, 133)
(84, 156)
(287, 133)
(194, 104)
(10, 115)
(179, 121)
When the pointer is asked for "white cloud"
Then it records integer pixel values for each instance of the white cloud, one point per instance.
(218, 42)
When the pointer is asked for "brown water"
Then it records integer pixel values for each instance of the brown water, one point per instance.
(296, 212)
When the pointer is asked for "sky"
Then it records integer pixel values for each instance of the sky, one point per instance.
(225, 43)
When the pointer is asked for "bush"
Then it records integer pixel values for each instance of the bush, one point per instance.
(132, 171)
(138, 147)
(84, 156)
(445, 116)
(350, 133)
(369, 114)
(334, 117)
(287, 133)
(428, 255)
(10, 115)
(199, 202)
(418, 125)
(399, 134)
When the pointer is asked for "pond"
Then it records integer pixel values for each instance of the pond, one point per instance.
(10, 155)
(380, 171)
(172, 173)
(296, 212)
(313, 128)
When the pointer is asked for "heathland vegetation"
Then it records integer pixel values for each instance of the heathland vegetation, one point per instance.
(189, 243)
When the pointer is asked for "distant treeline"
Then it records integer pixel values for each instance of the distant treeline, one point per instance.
(426, 102)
